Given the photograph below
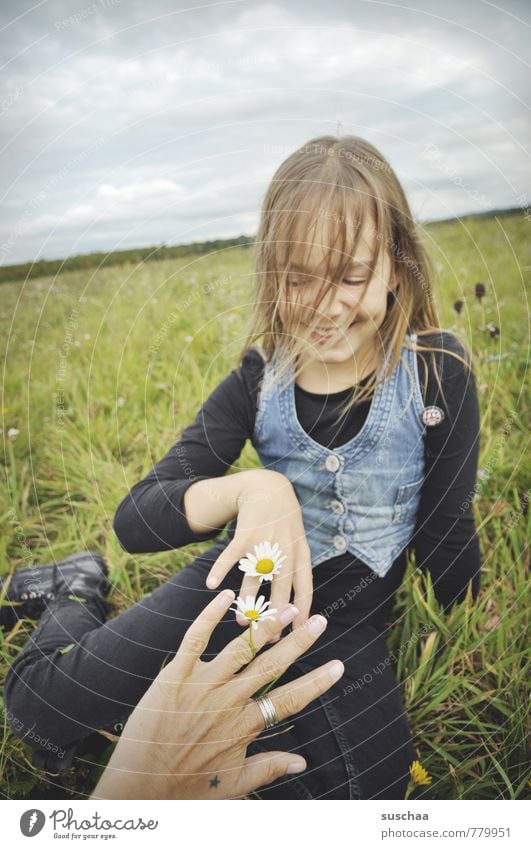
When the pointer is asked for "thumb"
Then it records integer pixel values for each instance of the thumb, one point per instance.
(260, 770)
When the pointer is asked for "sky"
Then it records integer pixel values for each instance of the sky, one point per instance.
(126, 123)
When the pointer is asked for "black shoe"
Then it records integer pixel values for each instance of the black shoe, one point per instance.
(29, 590)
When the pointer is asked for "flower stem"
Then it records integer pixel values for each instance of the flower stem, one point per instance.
(251, 643)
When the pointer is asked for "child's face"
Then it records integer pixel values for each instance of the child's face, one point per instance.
(351, 310)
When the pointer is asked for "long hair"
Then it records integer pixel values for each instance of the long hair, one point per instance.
(329, 193)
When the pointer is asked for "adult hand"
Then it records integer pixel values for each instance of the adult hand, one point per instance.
(188, 735)
(268, 509)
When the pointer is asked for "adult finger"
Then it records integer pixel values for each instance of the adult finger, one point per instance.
(291, 698)
(238, 652)
(259, 770)
(197, 636)
(272, 663)
(229, 557)
(249, 587)
(281, 590)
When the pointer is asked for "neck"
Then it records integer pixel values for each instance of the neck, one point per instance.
(316, 376)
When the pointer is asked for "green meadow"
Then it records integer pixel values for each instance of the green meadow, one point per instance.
(102, 368)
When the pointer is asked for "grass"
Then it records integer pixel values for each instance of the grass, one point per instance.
(104, 368)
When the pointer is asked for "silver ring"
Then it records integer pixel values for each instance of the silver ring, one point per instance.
(268, 711)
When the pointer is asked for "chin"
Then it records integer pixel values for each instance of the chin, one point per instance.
(335, 355)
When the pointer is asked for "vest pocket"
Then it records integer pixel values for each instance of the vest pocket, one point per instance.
(405, 503)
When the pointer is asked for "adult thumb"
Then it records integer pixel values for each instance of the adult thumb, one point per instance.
(260, 770)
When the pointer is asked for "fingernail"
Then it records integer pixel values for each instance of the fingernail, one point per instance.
(224, 598)
(316, 625)
(212, 582)
(288, 614)
(335, 670)
(296, 766)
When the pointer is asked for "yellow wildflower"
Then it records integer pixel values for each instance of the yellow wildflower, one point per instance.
(419, 776)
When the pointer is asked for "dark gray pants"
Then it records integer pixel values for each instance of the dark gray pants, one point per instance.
(355, 738)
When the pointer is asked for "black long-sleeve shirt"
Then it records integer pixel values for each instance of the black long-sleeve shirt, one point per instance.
(152, 516)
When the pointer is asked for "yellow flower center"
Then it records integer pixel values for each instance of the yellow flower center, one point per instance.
(265, 566)
(253, 615)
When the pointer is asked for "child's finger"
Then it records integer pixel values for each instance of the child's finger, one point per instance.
(250, 586)
(303, 588)
(227, 559)
(281, 590)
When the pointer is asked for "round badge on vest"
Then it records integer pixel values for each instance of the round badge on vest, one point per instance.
(432, 416)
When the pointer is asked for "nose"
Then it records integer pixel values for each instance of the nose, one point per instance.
(336, 305)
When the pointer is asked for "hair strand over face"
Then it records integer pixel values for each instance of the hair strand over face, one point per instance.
(324, 194)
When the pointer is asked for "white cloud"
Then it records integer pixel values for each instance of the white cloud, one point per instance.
(187, 105)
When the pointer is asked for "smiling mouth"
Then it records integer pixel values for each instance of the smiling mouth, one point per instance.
(326, 333)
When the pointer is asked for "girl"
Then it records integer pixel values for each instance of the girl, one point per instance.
(364, 416)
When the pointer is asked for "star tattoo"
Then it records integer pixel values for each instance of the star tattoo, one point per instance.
(214, 781)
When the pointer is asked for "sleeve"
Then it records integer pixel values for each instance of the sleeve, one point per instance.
(445, 539)
(152, 517)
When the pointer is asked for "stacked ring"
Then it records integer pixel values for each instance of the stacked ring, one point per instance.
(268, 711)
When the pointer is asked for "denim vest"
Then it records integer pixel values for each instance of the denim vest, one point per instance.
(362, 496)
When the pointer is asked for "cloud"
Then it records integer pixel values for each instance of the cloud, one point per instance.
(177, 117)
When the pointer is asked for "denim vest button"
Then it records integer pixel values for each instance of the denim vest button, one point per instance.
(337, 507)
(332, 463)
(340, 542)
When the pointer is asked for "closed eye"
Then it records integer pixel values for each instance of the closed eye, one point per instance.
(350, 281)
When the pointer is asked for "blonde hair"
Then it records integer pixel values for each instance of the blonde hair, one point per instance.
(350, 185)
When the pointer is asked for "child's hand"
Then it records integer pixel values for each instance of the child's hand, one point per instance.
(268, 509)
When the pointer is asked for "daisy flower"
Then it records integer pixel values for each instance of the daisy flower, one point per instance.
(264, 563)
(253, 610)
